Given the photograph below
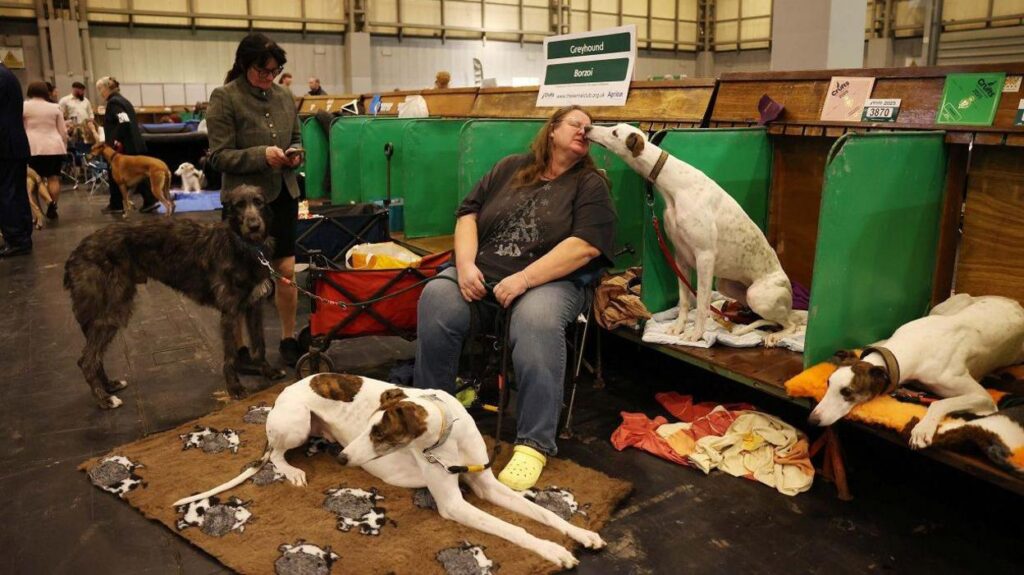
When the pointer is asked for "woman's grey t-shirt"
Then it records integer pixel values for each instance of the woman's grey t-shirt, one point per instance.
(515, 227)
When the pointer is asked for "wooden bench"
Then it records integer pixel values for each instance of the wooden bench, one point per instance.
(984, 175)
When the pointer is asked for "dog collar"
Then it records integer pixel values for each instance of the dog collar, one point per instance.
(892, 365)
(656, 170)
(447, 424)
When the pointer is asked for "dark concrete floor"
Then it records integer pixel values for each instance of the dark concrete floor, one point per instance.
(910, 515)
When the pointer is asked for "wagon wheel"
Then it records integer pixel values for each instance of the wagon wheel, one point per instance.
(305, 339)
(313, 362)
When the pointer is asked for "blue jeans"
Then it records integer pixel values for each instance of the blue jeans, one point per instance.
(537, 334)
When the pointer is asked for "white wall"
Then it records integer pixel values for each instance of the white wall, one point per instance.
(180, 57)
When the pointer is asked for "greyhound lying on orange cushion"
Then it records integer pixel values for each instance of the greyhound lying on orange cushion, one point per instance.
(127, 171)
(946, 352)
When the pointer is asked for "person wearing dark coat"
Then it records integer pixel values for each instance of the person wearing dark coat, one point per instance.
(15, 215)
(121, 131)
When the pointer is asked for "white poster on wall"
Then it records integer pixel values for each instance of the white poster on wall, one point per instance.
(588, 69)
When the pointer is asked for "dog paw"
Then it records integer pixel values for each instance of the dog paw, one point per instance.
(557, 554)
(273, 373)
(295, 476)
(587, 538)
(693, 334)
(116, 385)
(922, 434)
(772, 340)
(676, 328)
(112, 402)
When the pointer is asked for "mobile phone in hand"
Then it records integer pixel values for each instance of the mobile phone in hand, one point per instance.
(290, 153)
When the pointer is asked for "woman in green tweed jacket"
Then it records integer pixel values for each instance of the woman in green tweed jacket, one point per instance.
(254, 139)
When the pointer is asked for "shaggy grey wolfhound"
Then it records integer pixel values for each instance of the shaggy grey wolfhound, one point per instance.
(215, 265)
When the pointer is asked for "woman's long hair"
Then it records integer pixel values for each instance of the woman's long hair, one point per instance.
(540, 149)
(254, 49)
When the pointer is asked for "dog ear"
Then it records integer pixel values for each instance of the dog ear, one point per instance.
(843, 358)
(868, 378)
(635, 144)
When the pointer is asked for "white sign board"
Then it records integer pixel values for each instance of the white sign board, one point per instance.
(588, 69)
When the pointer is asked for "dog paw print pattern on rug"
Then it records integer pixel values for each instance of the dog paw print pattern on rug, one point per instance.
(210, 440)
(257, 414)
(356, 508)
(116, 474)
(267, 474)
(466, 559)
(213, 517)
(561, 502)
(320, 445)
(304, 559)
(423, 499)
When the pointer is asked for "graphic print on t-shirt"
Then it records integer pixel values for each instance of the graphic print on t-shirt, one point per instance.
(521, 227)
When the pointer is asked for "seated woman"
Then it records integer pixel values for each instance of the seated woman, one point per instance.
(535, 224)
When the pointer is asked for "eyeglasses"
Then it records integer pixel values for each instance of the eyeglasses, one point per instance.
(268, 74)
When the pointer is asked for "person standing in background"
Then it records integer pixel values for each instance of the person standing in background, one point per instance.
(121, 132)
(77, 109)
(255, 140)
(15, 215)
(48, 139)
(314, 87)
(286, 80)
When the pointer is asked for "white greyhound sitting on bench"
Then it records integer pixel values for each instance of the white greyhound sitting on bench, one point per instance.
(712, 234)
(407, 438)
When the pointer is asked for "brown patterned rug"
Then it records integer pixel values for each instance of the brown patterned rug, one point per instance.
(344, 521)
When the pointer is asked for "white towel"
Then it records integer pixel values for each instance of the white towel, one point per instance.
(656, 328)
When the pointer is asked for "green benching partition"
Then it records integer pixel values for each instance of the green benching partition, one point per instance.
(346, 172)
(878, 234)
(430, 176)
(739, 160)
(317, 150)
(482, 143)
(374, 166)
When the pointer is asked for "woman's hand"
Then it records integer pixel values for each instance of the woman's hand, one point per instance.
(471, 282)
(276, 157)
(510, 288)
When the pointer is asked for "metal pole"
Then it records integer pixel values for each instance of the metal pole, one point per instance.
(887, 19)
(936, 27)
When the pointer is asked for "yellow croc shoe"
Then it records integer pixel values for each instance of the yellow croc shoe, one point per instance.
(523, 470)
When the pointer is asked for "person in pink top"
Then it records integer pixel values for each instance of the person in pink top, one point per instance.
(48, 138)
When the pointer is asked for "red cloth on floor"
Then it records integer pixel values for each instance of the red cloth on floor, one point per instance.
(640, 432)
(705, 420)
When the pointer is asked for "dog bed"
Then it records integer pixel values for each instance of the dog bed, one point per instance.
(656, 330)
(1000, 436)
(205, 201)
(344, 521)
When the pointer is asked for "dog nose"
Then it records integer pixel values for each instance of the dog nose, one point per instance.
(814, 419)
(586, 129)
(342, 458)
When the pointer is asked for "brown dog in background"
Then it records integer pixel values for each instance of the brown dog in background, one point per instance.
(127, 171)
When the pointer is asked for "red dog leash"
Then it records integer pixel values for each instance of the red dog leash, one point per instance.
(672, 261)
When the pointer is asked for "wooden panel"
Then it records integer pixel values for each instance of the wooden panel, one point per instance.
(803, 93)
(313, 104)
(992, 251)
(798, 171)
(450, 103)
(949, 228)
(679, 101)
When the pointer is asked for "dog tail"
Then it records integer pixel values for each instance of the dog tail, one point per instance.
(752, 326)
(241, 478)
